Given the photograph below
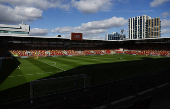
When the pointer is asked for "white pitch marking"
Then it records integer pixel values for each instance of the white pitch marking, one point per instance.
(29, 74)
(52, 65)
(39, 73)
(49, 72)
(120, 60)
(20, 75)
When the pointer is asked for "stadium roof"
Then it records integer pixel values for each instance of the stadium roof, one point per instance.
(14, 37)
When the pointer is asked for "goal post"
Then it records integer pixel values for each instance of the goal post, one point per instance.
(54, 85)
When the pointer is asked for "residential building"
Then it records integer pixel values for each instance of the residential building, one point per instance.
(153, 28)
(115, 36)
(144, 26)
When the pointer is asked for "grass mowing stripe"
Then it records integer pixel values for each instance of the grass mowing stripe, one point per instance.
(29, 68)
(63, 63)
(14, 80)
(65, 60)
(17, 79)
(78, 60)
(95, 60)
(51, 65)
(83, 60)
(59, 66)
(20, 75)
(44, 67)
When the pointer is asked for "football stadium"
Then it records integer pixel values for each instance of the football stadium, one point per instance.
(77, 73)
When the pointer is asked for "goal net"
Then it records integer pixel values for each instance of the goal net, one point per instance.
(54, 85)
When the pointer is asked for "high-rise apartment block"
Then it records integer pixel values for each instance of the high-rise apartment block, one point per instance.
(144, 26)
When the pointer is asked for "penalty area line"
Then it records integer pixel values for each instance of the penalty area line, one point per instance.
(31, 74)
(52, 65)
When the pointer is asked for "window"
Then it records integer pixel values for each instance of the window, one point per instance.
(15, 32)
(10, 27)
(157, 21)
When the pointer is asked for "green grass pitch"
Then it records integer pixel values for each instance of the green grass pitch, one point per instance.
(100, 67)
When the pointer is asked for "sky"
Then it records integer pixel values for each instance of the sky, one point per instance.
(93, 18)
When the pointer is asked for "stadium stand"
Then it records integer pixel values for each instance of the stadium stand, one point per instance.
(58, 51)
(79, 48)
(93, 96)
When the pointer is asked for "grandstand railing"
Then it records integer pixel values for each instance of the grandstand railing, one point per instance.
(96, 95)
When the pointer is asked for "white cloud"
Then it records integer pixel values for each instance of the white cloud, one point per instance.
(94, 28)
(42, 4)
(66, 36)
(91, 6)
(52, 31)
(99, 37)
(91, 33)
(19, 14)
(38, 32)
(165, 31)
(165, 23)
(165, 14)
(16, 11)
(157, 3)
(140, 11)
(87, 33)
(105, 24)
(63, 30)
